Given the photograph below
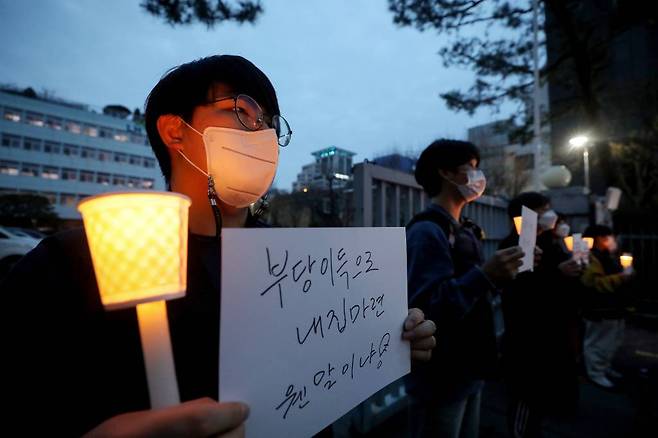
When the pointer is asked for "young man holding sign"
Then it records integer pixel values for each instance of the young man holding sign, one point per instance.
(67, 343)
(454, 286)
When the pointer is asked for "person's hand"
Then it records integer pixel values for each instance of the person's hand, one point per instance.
(571, 268)
(538, 253)
(504, 264)
(198, 418)
(420, 332)
(628, 273)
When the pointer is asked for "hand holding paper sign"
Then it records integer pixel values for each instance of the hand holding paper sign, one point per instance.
(420, 333)
(503, 265)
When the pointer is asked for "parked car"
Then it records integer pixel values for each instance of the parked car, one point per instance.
(26, 232)
(13, 246)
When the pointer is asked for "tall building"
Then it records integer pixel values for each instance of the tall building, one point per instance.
(332, 165)
(66, 152)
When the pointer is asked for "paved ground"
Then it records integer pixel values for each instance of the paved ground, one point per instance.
(629, 411)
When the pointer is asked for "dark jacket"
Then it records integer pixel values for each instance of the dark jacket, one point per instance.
(541, 317)
(72, 364)
(446, 282)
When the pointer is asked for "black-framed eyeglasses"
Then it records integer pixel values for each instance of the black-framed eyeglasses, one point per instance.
(251, 116)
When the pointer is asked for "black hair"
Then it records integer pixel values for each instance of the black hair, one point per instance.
(598, 231)
(186, 87)
(445, 155)
(532, 200)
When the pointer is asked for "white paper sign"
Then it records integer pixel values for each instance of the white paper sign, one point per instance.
(528, 238)
(580, 248)
(311, 323)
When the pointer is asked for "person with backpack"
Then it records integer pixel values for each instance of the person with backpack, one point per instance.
(449, 280)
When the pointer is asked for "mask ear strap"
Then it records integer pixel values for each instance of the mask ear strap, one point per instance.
(212, 197)
(193, 165)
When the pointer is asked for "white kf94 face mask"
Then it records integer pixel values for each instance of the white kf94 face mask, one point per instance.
(241, 163)
(475, 186)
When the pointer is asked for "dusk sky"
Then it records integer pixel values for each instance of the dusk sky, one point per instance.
(344, 73)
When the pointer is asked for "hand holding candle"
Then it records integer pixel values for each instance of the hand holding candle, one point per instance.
(138, 245)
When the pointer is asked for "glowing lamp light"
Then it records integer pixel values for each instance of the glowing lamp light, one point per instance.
(589, 241)
(138, 245)
(568, 242)
(518, 221)
(626, 260)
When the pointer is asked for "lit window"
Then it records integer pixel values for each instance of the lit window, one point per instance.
(54, 123)
(73, 127)
(35, 119)
(48, 172)
(121, 136)
(9, 168)
(13, 115)
(133, 182)
(147, 183)
(91, 130)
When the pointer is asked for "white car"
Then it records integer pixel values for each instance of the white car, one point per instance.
(13, 246)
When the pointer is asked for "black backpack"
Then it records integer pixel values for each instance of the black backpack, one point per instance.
(468, 346)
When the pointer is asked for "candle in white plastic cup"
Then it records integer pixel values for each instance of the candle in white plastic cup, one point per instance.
(138, 245)
(626, 260)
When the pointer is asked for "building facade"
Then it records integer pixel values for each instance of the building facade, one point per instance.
(66, 152)
(332, 169)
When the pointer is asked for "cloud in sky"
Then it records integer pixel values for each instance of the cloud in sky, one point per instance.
(344, 73)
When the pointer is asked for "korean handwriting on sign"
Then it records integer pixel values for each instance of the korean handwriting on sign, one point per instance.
(338, 267)
(325, 379)
(338, 320)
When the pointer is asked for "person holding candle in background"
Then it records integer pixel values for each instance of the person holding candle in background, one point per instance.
(450, 280)
(85, 365)
(607, 281)
(541, 325)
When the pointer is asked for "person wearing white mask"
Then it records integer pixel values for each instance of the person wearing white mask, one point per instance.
(451, 282)
(215, 127)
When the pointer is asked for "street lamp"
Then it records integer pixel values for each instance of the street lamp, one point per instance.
(582, 141)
